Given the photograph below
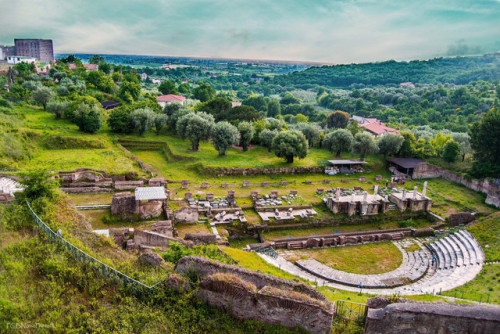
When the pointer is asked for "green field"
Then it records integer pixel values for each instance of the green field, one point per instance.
(365, 259)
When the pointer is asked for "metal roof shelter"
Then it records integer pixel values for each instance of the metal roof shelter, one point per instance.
(346, 162)
(405, 165)
(150, 193)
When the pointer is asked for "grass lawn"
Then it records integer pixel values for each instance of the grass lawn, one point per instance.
(454, 196)
(367, 259)
(487, 231)
(89, 199)
(484, 286)
(182, 229)
(241, 243)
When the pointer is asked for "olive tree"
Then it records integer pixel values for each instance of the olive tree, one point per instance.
(88, 118)
(338, 141)
(266, 138)
(312, 133)
(390, 143)
(142, 119)
(290, 144)
(223, 136)
(337, 119)
(364, 144)
(160, 122)
(43, 95)
(195, 127)
(57, 108)
(246, 131)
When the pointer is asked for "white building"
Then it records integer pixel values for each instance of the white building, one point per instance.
(18, 59)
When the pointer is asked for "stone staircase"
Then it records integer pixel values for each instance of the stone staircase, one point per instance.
(9, 186)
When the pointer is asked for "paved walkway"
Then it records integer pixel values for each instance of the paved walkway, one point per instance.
(439, 277)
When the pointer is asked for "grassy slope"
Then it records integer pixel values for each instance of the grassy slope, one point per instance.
(485, 285)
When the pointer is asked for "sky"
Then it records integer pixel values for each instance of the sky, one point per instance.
(329, 31)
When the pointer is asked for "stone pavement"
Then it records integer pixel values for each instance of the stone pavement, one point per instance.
(457, 259)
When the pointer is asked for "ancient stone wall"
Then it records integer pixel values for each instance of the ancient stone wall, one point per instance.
(86, 190)
(201, 238)
(425, 317)
(186, 215)
(128, 185)
(262, 171)
(268, 304)
(153, 239)
(340, 239)
(207, 267)
(460, 218)
(123, 203)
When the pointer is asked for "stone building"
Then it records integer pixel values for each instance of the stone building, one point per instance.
(414, 201)
(40, 49)
(147, 202)
(363, 204)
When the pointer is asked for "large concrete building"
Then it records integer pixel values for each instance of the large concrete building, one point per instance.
(41, 49)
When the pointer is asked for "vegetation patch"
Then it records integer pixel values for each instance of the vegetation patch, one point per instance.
(487, 233)
(365, 259)
(58, 142)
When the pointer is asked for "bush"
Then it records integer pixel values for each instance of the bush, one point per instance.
(223, 136)
(88, 118)
(142, 120)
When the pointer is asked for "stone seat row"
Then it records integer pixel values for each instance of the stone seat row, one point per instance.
(456, 250)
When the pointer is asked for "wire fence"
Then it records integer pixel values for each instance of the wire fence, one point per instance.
(104, 269)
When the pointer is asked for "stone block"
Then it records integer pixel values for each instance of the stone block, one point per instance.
(461, 218)
(188, 195)
(362, 179)
(283, 183)
(265, 184)
(210, 197)
(246, 183)
(224, 185)
(204, 185)
(378, 177)
(184, 184)
(308, 182)
(293, 192)
(320, 190)
(326, 181)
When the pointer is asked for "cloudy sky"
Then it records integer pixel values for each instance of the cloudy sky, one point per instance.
(334, 31)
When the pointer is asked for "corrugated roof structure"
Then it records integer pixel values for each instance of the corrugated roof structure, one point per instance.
(346, 162)
(150, 193)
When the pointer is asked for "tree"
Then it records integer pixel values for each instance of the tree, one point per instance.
(195, 127)
(463, 140)
(204, 92)
(105, 67)
(246, 131)
(451, 151)
(258, 102)
(170, 108)
(288, 98)
(390, 144)
(312, 133)
(273, 108)
(142, 120)
(301, 118)
(243, 113)
(57, 108)
(119, 120)
(338, 141)
(337, 119)
(160, 122)
(219, 107)
(364, 144)
(184, 89)
(129, 91)
(42, 95)
(168, 87)
(88, 118)
(223, 136)
(485, 140)
(409, 145)
(290, 144)
(37, 183)
(176, 115)
(95, 59)
(266, 138)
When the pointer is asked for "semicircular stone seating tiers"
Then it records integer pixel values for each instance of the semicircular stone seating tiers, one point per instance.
(441, 265)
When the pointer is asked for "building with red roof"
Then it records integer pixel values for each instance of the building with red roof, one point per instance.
(163, 100)
(373, 126)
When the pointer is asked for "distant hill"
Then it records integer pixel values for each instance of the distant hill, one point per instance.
(459, 70)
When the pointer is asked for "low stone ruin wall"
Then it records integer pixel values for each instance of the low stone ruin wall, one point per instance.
(268, 304)
(340, 239)
(460, 218)
(153, 239)
(427, 317)
(207, 267)
(186, 215)
(216, 171)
